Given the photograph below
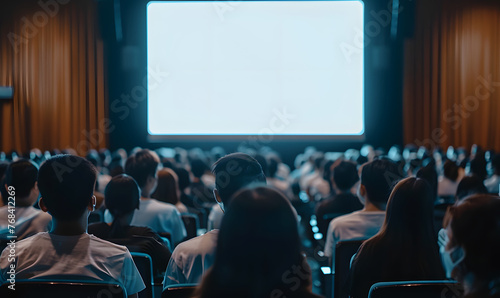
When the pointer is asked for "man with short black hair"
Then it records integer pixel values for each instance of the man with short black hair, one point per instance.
(344, 177)
(192, 258)
(21, 177)
(377, 180)
(66, 184)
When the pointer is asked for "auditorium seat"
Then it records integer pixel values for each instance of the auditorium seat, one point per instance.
(344, 250)
(179, 291)
(416, 289)
(191, 223)
(144, 264)
(27, 288)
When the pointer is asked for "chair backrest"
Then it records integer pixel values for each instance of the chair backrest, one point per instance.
(191, 223)
(144, 264)
(344, 250)
(62, 289)
(414, 289)
(179, 291)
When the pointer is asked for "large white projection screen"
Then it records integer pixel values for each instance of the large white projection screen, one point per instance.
(255, 67)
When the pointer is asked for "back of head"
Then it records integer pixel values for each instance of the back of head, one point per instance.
(272, 166)
(167, 189)
(345, 175)
(22, 175)
(258, 243)
(184, 179)
(470, 185)
(66, 184)
(429, 174)
(141, 165)
(198, 167)
(122, 195)
(408, 227)
(235, 171)
(410, 210)
(450, 170)
(378, 177)
(475, 226)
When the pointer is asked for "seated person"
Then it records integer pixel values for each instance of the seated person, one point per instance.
(167, 189)
(405, 247)
(377, 179)
(66, 184)
(469, 185)
(22, 175)
(344, 176)
(493, 183)
(122, 195)
(258, 250)
(448, 183)
(159, 216)
(471, 256)
(193, 257)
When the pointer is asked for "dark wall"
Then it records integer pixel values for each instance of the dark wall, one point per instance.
(126, 57)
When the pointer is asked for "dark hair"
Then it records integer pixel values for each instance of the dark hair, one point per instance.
(272, 166)
(450, 170)
(184, 179)
(3, 192)
(495, 162)
(378, 177)
(66, 184)
(235, 171)
(198, 167)
(167, 189)
(408, 228)
(470, 185)
(345, 175)
(141, 165)
(429, 174)
(22, 175)
(475, 225)
(122, 195)
(258, 248)
(263, 163)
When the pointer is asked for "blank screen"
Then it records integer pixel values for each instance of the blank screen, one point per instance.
(253, 67)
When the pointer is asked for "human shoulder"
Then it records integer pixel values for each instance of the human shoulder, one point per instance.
(197, 245)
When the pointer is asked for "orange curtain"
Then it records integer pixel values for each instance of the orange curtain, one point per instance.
(52, 54)
(452, 75)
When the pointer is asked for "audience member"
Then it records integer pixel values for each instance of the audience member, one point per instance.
(21, 176)
(66, 185)
(193, 257)
(405, 248)
(377, 179)
(258, 250)
(470, 185)
(471, 256)
(344, 177)
(159, 216)
(167, 190)
(493, 183)
(122, 197)
(448, 183)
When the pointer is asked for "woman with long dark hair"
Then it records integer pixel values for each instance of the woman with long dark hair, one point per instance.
(406, 247)
(167, 189)
(258, 250)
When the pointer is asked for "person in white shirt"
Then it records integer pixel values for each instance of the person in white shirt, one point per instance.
(159, 216)
(192, 258)
(66, 183)
(21, 175)
(377, 179)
